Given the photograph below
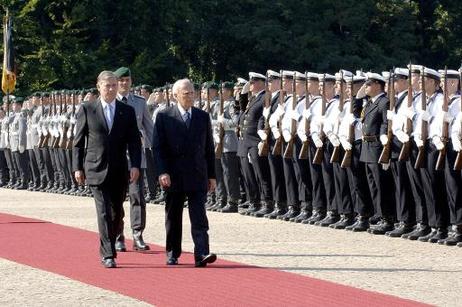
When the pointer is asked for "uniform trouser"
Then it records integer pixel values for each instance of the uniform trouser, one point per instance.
(291, 182)
(262, 172)
(357, 180)
(302, 173)
(381, 189)
(250, 182)
(11, 165)
(417, 187)
(342, 187)
(33, 164)
(22, 160)
(4, 171)
(319, 194)
(453, 186)
(230, 167)
(328, 177)
(72, 180)
(41, 165)
(48, 166)
(221, 188)
(109, 198)
(435, 189)
(66, 179)
(56, 167)
(405, 207)
(150, 171)
(137, 208)
(277, 178)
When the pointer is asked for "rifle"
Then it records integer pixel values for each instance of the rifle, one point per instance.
(458, 162)
(424, 131)
(64, 140)
(442, 153)
(346, 161)
(42, 120)
(406, 148)
(207, 103)
(289, 152)
(264, 149)
(303, 155)
(386, 151)
(319, 155)
(221, 133)
(277, 149)
(70, 141)
(167, 96)
(336, 152)
(46, 138)
(57, 138)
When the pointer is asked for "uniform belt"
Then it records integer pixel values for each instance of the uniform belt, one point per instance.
(370, 138)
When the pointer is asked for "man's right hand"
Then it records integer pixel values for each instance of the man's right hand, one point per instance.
(80, 177)
(164, 181)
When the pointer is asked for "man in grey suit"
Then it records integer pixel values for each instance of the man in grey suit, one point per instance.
(135, 189)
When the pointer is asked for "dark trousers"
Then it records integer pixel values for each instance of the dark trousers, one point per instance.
(41, 165)
(417, 188)
(250, 182)
(174, 222)
(262, 172)
(55, 165)
(22, 161)
(33, 164)
(66, 176)
(150, 171)
(453, 186)
(4, 171)
(381, 189)
(277, 178)
(49, 172)
(405, 207)
(221, 188)
(109, 198)
(434, 189)
(302, 173)
(291, 182)
(72, 180)
(342, 187)
(230, 167)
(137, 208)
(328, 177)
(11, 165)
(357, 180)
(319, 194)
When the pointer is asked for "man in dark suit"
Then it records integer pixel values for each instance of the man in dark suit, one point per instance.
(184, 154)
(104, 132)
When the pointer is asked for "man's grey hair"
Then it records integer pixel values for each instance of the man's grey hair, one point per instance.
(179, 84)
(106, 74)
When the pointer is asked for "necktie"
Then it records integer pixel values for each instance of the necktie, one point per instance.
(124, 99)
(187, 119)
(108, 113)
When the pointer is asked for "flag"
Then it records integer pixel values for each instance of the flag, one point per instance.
(8, 74)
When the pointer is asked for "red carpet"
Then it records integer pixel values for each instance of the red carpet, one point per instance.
(73, 253)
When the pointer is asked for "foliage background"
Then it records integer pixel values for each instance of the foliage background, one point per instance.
(65, 43)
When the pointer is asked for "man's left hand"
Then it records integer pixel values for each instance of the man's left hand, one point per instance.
(134, 174)
(212, 185)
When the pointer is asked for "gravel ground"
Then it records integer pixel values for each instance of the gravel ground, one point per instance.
(420, 271)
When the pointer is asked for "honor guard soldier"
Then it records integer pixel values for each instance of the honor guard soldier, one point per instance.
(33, 104)
(18, 141)
(4, 171)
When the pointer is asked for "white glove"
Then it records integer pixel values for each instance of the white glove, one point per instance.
(385, 166)
(68, 133)
(447, 117)
(302, 137)
(334, 140)
(260, 145)
(220, 118)
(287, 136)
(294, 115)
(273, 120)
(402, 137)
(248, 157)
(418, 141)
(390, 115)
(350, 118)
(246, 88)
(345, 144)
(456, 144)
(262, 134)
(21, 148)
(317, 141)
(216, 138)
(279, 111)
(437, 142)
(409, 112)
(306, 114)
(384, 139)
(425, 116)
(362, 92)
(266, 112)
(276, 133)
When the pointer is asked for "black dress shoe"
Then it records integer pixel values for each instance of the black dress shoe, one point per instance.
(202, 261)
(345, 221)
(402, 229)
(267, 208)
(254, 207)
(172, 261)
(441, 234)
(120, 246)
(138, 242)
(109, 263)
(426, 237)
(304, 215)
(331, 218)
(452, 240)
(381, 228)
(361, 224)
(229, 208)
(279, 210)
(291, 213)
(420, 230)
(219, 205)
(316, 217)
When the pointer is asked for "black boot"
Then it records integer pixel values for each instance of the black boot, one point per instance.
(292, 212)
(345, 221)
(318, 215)
(331, 218)
(305, 214)
(420, 230)
(381, 228)
(266, 208)
(279, 210)
(403, 228)
(441, 234)
(454, 238)
(254, 207)
(231, 207)
(361, 224)
(219, 205)
(138, 242)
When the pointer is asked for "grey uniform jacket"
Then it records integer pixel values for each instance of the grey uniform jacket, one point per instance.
(18, 138)
(4, 141)
(230, 137)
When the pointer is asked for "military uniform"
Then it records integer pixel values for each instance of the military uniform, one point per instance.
(18, 140)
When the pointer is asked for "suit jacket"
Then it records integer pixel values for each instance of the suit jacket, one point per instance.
(100, 152)
(375, 123)
(249, 123)
(187, 155)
